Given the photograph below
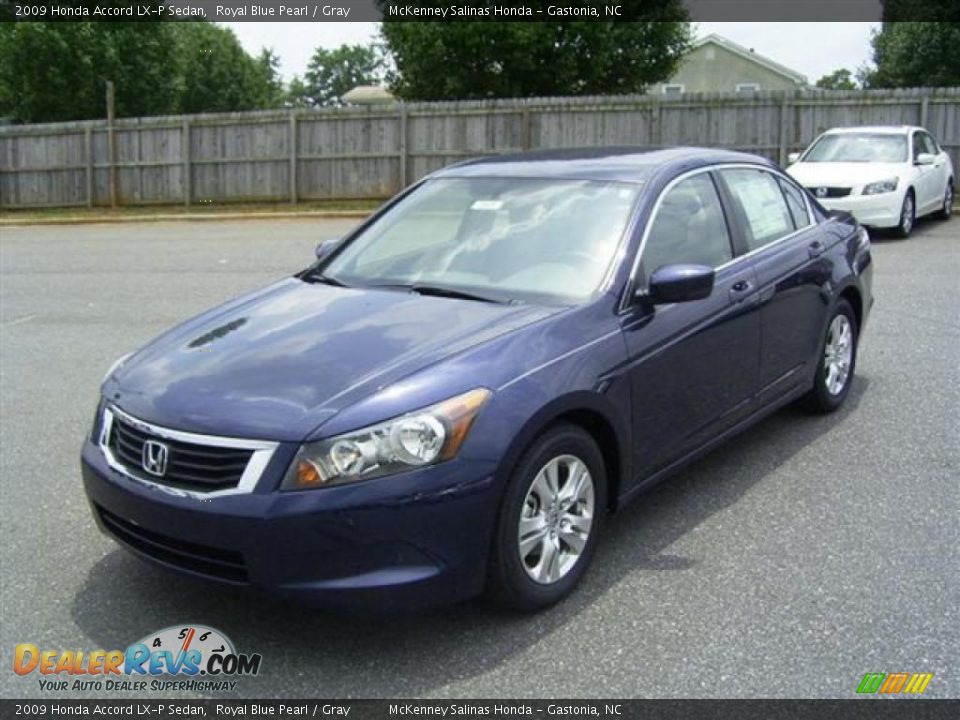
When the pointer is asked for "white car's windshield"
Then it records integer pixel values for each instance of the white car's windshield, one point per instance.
(858, 147)
(506, 239)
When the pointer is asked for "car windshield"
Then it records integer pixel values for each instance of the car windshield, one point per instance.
(858, 147)
(506, 239)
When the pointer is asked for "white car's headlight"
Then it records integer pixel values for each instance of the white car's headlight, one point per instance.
(881, 186)
(424, 437)
(116, 365)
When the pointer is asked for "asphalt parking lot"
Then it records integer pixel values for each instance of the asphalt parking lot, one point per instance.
(787, 564)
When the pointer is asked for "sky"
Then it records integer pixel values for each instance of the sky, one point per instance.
(813, 49)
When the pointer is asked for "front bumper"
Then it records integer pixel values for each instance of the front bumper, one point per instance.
(415, 539)
(878, 211)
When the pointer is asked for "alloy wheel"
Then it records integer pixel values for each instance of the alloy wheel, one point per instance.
(948, 200)
(556, 519)
(838, 355)
(906, 217)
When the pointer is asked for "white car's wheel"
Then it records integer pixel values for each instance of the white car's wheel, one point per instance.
(947, 208)
(908, 215)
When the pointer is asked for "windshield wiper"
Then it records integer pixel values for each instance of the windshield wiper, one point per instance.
(326, 279)
(441, 291)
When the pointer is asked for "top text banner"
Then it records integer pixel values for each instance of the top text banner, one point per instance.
(442, 11)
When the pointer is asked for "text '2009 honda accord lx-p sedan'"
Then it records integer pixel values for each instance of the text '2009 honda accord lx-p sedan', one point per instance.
(454, 396)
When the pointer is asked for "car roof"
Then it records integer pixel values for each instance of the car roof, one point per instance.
(618, 164)
(877, 129)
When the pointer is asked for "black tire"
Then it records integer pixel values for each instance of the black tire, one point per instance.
(946, 210)
(509, 583)
(821, 399)
(908, 215)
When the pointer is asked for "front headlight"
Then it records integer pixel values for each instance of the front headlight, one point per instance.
(424, 437)
(881, 186)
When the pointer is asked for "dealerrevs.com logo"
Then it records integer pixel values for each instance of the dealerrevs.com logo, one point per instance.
(180, 657)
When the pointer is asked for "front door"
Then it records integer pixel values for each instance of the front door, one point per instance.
(693, 366)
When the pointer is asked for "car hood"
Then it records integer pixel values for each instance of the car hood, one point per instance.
(280, 362)
(841, 174)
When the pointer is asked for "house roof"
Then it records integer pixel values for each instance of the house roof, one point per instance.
(748, 54)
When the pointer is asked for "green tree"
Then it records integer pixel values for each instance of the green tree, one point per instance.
(841, 79)
(332, 73)
(297, 94)
(272, 93)
(914, 54)
(57, 71)
(217, 75)
(489, 59)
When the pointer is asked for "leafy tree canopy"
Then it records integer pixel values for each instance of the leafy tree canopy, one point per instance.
(475, 60)
(57, 71)
(332, 73)
(841, 79)
(217, 75)
(916, 54)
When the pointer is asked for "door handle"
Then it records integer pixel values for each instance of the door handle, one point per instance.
(817, 248)
(740, 289)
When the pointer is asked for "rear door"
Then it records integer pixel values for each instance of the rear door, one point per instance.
(787, 248)
(693, 366)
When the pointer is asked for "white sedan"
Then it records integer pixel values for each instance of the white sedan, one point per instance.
(886, 177)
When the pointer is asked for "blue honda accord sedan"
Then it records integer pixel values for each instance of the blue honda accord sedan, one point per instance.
(453, 396)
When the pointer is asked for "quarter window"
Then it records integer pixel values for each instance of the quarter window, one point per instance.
(689, 227)
(795, 203)
(765, 215)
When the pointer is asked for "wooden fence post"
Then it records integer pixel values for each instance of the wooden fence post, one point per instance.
(402, 139)
(293, 156)
(525, 138)
(186, 170)
(111, 145)
(784, 147)
(924, 110)
(88, 154)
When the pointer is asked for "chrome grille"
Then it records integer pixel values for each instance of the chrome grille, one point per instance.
(197, 464)
(831, 192)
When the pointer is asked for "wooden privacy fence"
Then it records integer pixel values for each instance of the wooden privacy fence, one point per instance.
(345, 153)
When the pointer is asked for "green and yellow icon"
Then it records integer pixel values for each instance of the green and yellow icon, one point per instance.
(894, 683)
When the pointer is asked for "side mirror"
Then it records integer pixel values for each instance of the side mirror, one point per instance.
(924, 159)
(326, 247)
(678, 283)
(792, 158)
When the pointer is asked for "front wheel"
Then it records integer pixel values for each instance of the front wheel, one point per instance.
(947, 208)
(838, 358)
(908, 216)
(549, 520)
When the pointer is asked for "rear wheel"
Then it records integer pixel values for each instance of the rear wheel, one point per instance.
(838, 359)
(549, 520)
(908, 215)
(947, 208)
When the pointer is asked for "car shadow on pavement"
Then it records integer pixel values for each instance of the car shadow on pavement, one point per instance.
(312, 653)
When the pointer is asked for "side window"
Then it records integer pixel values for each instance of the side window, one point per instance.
(917, 145)
(929, 146)
(766, 217)
(795, 203)
(689, 227)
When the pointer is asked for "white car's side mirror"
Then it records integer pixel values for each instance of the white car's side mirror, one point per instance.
(792, 158)
(924, 159)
